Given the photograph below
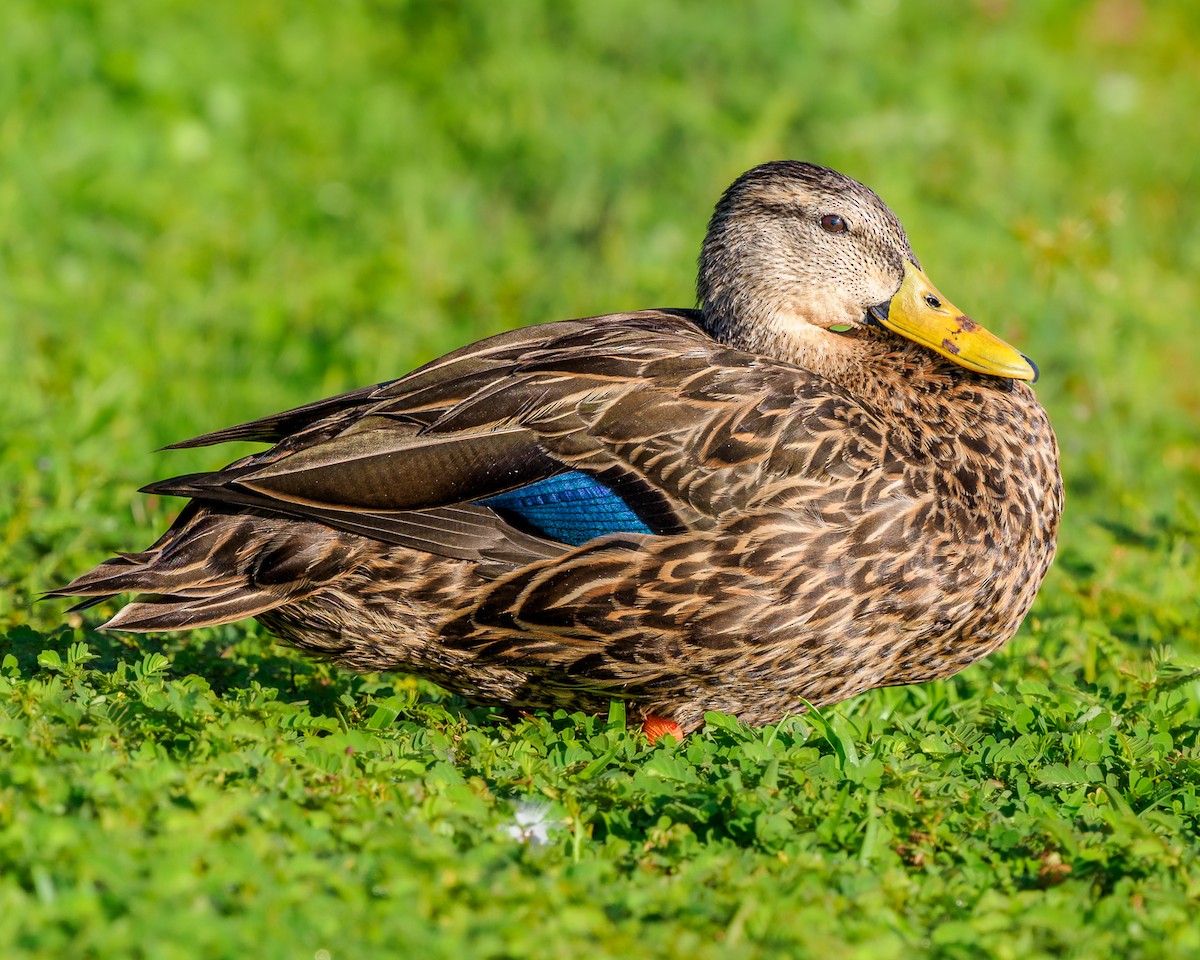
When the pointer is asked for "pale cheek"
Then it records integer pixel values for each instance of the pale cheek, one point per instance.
(876, 288)
(829, 307)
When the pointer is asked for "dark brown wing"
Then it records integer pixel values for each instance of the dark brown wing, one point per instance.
(685, 430)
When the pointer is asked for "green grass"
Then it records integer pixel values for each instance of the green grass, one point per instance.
(210, 212)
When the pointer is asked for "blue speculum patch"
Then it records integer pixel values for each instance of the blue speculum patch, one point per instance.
(571, 508)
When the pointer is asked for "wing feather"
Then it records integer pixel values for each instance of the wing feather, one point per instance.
(685, 430)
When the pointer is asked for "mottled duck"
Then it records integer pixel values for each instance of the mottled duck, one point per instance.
(825, 479)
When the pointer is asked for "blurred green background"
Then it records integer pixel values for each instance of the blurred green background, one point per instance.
(212, 211)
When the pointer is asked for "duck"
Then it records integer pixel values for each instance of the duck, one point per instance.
(823, 479)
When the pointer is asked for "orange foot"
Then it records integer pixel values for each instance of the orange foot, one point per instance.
(655, 727)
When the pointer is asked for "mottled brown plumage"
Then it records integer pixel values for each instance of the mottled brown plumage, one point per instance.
(828, 510)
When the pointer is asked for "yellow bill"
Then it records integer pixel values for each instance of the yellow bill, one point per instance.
(923, 315)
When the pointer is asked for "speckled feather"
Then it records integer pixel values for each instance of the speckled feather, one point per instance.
(827, 512)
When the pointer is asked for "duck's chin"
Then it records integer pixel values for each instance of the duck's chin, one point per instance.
(832, 350)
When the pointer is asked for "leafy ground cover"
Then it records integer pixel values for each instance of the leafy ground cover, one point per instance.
(213, 211)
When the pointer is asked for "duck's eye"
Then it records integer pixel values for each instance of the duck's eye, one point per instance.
(832, 223)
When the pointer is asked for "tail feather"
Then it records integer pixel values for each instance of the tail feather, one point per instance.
(215, 565)
(183, 613)
(83, 604)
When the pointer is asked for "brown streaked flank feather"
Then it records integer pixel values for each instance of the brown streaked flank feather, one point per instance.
(827, 512)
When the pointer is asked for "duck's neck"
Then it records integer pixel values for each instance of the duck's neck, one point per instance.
(773, 329)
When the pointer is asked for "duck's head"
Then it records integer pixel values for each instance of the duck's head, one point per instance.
(797, 255)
